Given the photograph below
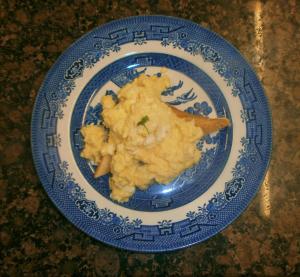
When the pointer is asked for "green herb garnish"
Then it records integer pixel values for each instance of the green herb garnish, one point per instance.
(143, 122)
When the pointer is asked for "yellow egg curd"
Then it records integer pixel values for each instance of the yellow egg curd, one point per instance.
(147, 141)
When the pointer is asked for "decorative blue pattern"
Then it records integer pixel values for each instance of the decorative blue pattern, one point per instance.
(62, 176)
(209, 54)
(171, 90)
(88, 60)
(113, 95)
(89, 208)
(244, 116)
(200, 108)
(93, 115)
(184, 98)
(123, 232)
(75, 70)
(127, 76)
(221, 199)
(91, 58)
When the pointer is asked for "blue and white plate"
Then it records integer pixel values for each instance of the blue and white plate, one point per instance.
(209, 77)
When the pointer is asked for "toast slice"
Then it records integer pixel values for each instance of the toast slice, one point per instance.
(208, 125)
(103, 167)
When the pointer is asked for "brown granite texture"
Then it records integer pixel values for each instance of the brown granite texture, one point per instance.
(36, 240)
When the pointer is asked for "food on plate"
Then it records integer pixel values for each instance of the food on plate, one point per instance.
(143, 140)
(208, 125)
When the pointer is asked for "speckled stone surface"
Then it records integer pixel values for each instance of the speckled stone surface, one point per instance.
(36, 240)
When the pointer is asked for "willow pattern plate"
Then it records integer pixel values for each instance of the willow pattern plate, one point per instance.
(209, 77)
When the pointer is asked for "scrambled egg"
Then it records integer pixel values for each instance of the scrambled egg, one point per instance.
(94, 137)
(147, 141)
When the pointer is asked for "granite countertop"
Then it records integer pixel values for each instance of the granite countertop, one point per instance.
(36, 240)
